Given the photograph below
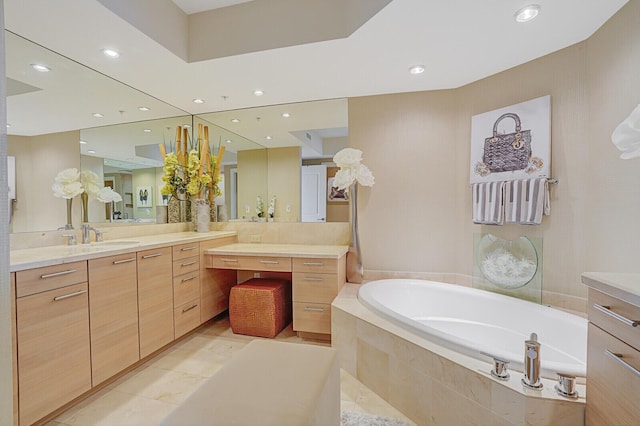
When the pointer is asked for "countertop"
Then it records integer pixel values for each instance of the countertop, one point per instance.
(54, 255)
(284, 250)
(624, 286)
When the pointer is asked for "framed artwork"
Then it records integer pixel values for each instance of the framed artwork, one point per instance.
(512, 143)
(163, 200)
(336, 195)
(144, 196)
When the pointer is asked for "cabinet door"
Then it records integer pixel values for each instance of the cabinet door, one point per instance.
(54, 364)
(215, 284)
(113, 307)
(155, 299)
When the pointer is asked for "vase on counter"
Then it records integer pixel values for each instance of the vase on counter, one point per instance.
(85, 207)
(355, 269)
(179, 209)
(200, 214)
(69, 225)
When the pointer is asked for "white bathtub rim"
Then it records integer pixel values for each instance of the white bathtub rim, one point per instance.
(459, 345)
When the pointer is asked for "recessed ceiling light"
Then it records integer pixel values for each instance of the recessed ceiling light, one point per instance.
(416, 69)
(110, 53)
(187, 126)
(235, 120)
(198, 101)
(228, 141)
(83, 142)
(143, 108)
(97, 115)
(40, 67)
(268, 138)
(258, 92)
(8, 125)
(286, 115)
(91, 151)
(147, 130)
(527, 13)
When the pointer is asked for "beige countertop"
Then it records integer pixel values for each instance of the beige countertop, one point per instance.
(54, 255)
(625, 286)
(286, 250)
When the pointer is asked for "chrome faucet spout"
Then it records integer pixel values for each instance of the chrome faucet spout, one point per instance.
(86, 233)
(531, 377)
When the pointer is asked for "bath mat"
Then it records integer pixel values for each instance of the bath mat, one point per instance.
(352, 418)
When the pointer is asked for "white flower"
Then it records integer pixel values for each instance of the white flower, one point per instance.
(351, 169)
(272, 206)
(68, 190)
(626, 137)
(108, 195)
(67, 176)
(348, 157)
(91, 183)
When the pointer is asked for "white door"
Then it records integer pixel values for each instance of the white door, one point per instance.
(314, 197)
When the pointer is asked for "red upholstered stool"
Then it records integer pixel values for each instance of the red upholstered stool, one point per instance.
(260, 307)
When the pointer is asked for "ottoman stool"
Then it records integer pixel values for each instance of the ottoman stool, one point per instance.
(260, 307)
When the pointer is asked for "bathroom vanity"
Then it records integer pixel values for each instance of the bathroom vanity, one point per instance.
(85, 314)
(613, 354)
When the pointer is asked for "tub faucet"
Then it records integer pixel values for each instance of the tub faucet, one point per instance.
(86, 229)
(531, 377)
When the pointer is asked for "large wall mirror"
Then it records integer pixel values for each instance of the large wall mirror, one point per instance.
(50, 130)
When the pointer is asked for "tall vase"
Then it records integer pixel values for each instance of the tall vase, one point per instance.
(178, 209)
(85, 207)
(200, 215)
(355, 270)
(69, 224)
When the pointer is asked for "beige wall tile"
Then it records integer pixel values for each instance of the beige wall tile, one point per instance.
(373, 368)
(540, 412)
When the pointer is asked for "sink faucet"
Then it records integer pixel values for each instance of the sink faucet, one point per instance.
(86, 228)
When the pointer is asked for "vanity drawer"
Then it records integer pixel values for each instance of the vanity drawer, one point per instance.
(615, 317)
(253, 263)
(186, 265)
(309, 287)
(317, 265)
(612, 386)
(186, 317)
(182, 251)
(186, 287)
(312, 317)
(50, 277)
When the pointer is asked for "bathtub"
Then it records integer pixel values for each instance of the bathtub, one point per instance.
(479, 323)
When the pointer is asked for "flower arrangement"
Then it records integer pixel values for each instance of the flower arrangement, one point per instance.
(272, 207)
(70, 183)
(259, 207)
(190, 171)
(351, 169)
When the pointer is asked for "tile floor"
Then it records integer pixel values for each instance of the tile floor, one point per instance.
(147, 394)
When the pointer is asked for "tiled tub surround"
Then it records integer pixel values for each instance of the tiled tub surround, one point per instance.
(433, 385)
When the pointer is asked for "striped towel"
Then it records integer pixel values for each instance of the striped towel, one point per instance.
(526, 201)
(487, 202)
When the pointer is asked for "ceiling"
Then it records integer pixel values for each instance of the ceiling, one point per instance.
(458, 41)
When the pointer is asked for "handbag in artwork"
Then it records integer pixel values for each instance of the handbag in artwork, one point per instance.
(507, 152)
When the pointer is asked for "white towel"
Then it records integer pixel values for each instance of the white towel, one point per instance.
(487, 202)
(525, 201)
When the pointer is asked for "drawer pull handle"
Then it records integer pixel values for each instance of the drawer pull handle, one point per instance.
(313, 264)
(57, 274)
(118, 262)
(189, 263)
(189, 279)
(269, 262)
(187, 248)
(619, 359)
(149, 256)
(607, 310)
(66, 296)
(307, 308)
(189, 308)
(230, 260)
(313, 279)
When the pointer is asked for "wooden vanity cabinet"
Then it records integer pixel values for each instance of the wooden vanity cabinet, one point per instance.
(186, 287)
(113, 306)
(316, 282)
(215, 284)
(613, 361)
(52, 331)
(155, 299)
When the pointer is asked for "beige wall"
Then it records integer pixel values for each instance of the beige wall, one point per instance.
(283, 177)
(417, 217)
(38, 161)
(252, 181)
(96, 209)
